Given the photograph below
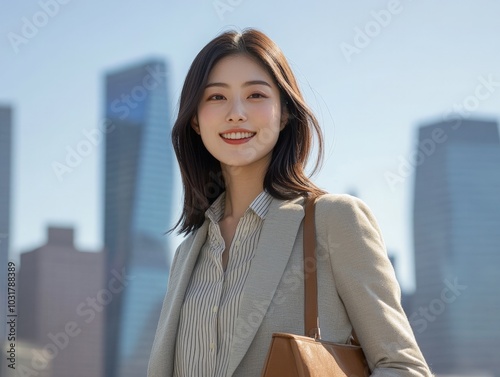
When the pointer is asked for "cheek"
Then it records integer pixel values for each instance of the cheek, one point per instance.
(206, 115)
(269, 119)
(269, 115)
(208, 120)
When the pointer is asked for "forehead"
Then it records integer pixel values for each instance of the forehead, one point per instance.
(239, 68)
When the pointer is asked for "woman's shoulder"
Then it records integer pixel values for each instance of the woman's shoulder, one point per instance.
(334, 199)
(344, 211)
(340, 204)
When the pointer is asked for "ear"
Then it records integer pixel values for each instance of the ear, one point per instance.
(284, 117)
(194, 124)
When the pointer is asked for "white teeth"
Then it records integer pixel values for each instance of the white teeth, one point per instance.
(237, 135)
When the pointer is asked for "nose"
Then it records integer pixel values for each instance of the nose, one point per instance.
(236, 112)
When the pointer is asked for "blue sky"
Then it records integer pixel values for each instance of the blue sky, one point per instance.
(415, 62)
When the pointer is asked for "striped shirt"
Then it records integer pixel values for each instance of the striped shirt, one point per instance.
(212, 298)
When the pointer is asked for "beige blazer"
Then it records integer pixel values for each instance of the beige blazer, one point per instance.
(357, 288)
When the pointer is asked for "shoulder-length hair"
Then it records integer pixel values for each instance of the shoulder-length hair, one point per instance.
(201, 172)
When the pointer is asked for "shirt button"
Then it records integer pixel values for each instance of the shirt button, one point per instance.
(238, 243)
(215, 308)
(212, 346)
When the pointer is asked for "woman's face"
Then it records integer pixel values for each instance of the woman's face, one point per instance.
(239, 116)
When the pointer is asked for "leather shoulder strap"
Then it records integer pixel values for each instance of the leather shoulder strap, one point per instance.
(311, 319)
(311, 316)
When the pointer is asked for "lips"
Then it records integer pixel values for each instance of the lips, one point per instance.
(237, 137)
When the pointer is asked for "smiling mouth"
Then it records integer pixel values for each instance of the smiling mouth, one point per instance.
(237, 135)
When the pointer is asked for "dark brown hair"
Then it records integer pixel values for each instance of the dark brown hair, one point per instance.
(201, 172)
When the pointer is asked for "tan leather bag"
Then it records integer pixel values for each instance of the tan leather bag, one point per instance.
(308, 356)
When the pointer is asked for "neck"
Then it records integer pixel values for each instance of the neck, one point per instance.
(243, 184)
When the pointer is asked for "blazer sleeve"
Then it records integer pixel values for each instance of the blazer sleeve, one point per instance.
(367, 286)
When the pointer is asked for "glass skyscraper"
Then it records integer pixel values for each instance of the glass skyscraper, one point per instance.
(138, 192)
(456, 306)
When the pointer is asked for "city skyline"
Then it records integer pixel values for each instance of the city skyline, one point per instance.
(374, 74)
(369, 97)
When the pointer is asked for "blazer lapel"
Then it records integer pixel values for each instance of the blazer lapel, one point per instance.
(162, 360)
(268, 265)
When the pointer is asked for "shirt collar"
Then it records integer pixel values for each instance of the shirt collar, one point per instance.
(260, 206)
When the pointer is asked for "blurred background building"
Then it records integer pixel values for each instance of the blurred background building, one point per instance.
(456, 306)
(137, 208)
(5, 207)
(61, 301)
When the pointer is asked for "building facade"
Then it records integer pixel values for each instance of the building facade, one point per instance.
(60, 308)
(456, 223)
(137, 200)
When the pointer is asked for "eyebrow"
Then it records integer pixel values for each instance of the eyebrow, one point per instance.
(248, 83)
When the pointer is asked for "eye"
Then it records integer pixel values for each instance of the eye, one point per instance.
(257, 95)
(216, 97)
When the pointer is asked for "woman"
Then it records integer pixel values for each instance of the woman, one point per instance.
(242, 139)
